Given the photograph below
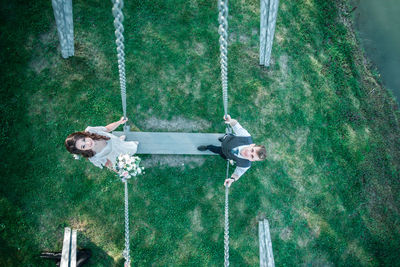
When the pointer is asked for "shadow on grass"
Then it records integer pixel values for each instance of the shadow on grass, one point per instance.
(99, 257)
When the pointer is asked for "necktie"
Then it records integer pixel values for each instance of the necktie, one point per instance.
(235, 151)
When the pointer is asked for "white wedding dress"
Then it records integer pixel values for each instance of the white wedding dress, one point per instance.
(113, 149)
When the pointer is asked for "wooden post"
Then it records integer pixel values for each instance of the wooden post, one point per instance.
(266, 255)
(263, 248)
(63, 14)
(66, 248)
(68, 255)
(268, 13)
(73, 249)
(263, 28)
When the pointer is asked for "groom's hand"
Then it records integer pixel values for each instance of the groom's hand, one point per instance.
(227, 119)
(228, 182)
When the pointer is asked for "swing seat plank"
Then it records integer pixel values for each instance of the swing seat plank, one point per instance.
(172, 142)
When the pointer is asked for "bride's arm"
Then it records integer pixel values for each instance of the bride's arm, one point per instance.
(112, 126)
(109, 165)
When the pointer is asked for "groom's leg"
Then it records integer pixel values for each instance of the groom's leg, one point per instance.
(216, 150)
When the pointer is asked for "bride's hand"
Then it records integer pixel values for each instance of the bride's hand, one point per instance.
(122, 120)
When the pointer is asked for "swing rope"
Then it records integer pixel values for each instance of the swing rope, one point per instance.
(226, 231)
(223, 41)
(126, 250)
(223, 46)
(119, 30)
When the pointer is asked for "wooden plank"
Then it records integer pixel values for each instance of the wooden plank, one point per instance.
(73, 249)
(172, 142)
(261, 237)
(266, 255)
(66, 248)
(268, 242)
(272, 13)
(63, 15)
(264, 4)
(69, 27)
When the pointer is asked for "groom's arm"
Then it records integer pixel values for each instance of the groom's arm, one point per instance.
(239, 171)
(237, 128)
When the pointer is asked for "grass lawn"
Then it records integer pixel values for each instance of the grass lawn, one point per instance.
(329, 187)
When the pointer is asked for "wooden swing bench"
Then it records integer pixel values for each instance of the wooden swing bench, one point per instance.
(172, 142)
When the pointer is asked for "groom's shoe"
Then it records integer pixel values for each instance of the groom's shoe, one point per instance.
(202, 148)
(221, 138)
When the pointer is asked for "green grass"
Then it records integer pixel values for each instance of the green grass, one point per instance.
(330, 185)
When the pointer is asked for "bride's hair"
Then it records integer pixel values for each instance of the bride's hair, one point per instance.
(70, 143)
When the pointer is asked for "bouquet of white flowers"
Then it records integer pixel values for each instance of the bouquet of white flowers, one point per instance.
(127, 166)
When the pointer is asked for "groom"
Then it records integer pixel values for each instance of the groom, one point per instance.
(238, 147)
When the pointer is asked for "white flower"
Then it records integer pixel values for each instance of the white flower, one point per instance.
(128, 166)
(76, 156)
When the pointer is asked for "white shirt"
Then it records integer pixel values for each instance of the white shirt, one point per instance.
(240, 131)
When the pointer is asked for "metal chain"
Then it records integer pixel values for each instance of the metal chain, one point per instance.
(119, 30)
(223, 47)
(126, 250)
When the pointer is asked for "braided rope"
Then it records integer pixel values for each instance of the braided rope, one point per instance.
(226, 232)
(223, 47)
(119, 30)
(126, 250)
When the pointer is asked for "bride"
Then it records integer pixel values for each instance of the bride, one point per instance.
(99, 145)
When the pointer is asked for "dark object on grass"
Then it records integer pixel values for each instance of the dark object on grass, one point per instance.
(82, 257)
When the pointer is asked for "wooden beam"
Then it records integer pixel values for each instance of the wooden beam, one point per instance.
(266, 255)
(64, 20)
(65, 255)
(263, 248)
(172, 142)
(268, 14)
(73, 249)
